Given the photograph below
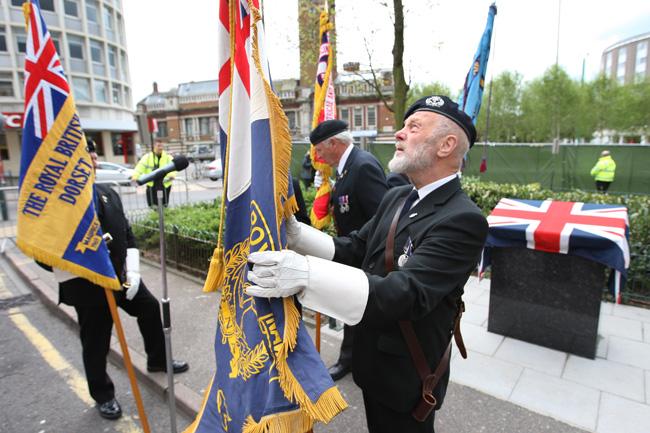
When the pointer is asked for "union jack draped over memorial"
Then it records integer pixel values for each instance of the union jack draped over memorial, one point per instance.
(269, 377)
(57, 223)
(593, 231)
(324, 109)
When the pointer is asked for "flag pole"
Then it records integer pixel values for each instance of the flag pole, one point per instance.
(167, 324)
(127, 360)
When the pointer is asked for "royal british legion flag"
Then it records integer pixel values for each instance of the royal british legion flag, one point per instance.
(268, 375)
(593, 231)
(57, 223)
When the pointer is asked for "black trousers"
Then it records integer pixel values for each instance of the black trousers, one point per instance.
(152, 195)
(602, 186)
(96, 323)
(383, 419)
(345, 356)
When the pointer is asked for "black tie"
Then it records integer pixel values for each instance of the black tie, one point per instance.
(409, 202)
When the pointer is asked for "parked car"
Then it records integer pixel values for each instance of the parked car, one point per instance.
(214, 170)
(201, 152)
(112, 172)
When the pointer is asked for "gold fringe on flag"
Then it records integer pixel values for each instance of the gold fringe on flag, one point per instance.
(330, 402)
(214, 280)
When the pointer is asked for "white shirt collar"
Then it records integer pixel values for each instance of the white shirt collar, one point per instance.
(344, 159)
(429, 188)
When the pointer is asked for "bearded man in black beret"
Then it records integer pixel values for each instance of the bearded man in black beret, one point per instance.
(400, 277)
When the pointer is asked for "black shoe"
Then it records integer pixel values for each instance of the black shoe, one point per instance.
(177, 366)
(338, 371)
(110, 409)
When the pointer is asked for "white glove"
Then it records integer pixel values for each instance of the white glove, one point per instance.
(305, 239)
(277, 274)
(318, 179)
(334, 289)
(132, 272)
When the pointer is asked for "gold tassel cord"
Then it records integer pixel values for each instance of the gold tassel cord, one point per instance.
(214, 280)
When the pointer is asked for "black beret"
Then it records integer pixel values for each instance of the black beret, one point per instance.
(90, 145)
(327, 129)
(446, 107)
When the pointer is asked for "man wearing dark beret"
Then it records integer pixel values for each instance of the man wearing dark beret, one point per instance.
(360, 186)
(401, 276)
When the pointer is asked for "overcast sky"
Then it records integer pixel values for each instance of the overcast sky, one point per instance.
(172, 43)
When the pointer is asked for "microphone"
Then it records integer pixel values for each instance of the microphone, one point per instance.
(179, 163)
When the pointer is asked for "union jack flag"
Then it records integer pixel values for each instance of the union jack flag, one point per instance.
(46, 87)
(269, 377)
(594, 231)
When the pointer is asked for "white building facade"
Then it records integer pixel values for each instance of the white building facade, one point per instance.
(90, 39)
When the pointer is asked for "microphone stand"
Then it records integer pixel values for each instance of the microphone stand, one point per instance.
(167, 326)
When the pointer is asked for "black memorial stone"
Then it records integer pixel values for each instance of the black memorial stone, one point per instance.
(552, 300)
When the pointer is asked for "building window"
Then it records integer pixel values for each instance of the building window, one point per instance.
(189, 126)
(76, 47)
(101, 91)
(608, 64)
(6, 84)
(3, 39)
(291, 116)
(204, 126)
(91, 11)
(345, 114)
(47, 5)
(97, 51)
(641, 60)
(21, 43)
(112, 57)
(4, 149)
(117, 94)
(18, 3)
(81, 89)
(71, 7)
(99, 143)
(358, 118)
(622, 59)
(162, 128)
(108, 19)
(371, 115)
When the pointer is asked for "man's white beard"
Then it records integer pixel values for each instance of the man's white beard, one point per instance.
(404, 164)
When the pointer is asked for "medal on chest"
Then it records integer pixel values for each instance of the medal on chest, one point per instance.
(407, 252)
(344, 204)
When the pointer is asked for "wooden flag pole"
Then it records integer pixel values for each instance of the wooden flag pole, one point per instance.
(127, 360)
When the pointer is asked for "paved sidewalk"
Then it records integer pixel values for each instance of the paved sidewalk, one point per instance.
(505, 385)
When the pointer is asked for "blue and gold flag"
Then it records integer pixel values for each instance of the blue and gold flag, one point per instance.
(472, 95)
(57, 223)
(269, 377)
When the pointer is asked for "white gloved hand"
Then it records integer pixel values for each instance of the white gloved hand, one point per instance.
(132, 272)
(307, 240)
(277, 274)
(318, 179)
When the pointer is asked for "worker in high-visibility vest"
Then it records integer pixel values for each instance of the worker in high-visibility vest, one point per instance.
(604, 171)
(149, 162)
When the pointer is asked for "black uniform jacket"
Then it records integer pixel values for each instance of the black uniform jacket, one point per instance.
(446, 231)
(81, 292)
(358, 191)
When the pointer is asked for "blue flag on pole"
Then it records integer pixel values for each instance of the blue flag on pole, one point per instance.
(269, 377)
(470, 99)
(57, 223)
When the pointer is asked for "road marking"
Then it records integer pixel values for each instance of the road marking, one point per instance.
(75, 380)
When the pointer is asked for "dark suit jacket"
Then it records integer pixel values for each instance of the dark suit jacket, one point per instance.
(447, 233)
(358, 191)
(81, 292)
